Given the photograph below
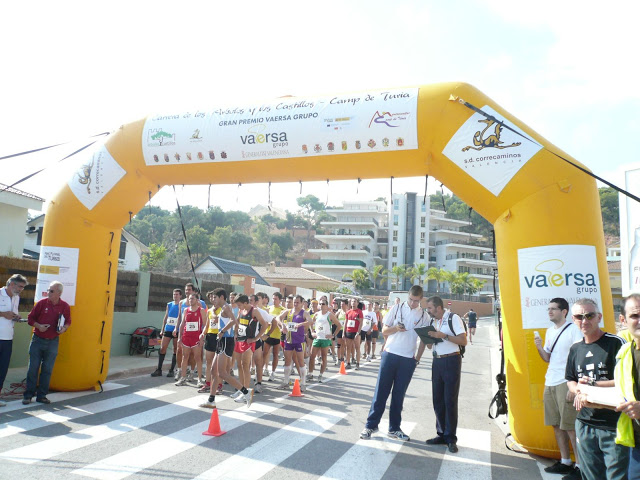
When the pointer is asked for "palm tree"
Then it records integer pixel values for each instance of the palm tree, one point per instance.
(437, 274)
(378, 273)
(359, 277)
(421, 270)
(475, 285)
(450, 278)
(397, 272)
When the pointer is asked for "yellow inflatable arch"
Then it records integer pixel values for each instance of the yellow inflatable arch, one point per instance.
(546, 213)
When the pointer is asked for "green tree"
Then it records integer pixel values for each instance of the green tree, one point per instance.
(418, 272)
(436, 274)
(276, 252)
(152, 260)
(450, 278)
(610, 207)
(222, 242)
(475, 285)
(396, 273)
(359, 277)
(310, 208)
(378, 274)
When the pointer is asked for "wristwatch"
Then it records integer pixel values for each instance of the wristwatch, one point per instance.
(446, 337)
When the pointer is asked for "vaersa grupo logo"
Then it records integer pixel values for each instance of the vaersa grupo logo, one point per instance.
(553, 274)
(256, 135)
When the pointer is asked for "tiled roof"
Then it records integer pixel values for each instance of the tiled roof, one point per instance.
(292, 272)
(7, 188)
(614, 265)
(231, 267)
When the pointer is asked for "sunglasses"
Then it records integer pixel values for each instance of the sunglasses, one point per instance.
(585, 316)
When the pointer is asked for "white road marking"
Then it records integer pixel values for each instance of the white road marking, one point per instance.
(52, 447)
(262, 457)
(47, 418)
(368, 459)
(473, 459)
(59, 397)
(144, 456)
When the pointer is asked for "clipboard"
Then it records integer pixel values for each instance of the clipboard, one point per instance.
(423, 333)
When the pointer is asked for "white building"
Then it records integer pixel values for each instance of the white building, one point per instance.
(357, 238)
(129, 256)
(14, 207)
(421, 235)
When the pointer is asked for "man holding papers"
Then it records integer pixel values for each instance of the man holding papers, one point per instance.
(49, 318)
(591, 362)
(626, 377)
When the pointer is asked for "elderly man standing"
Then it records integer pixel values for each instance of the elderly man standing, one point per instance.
(397, 363)
(50, 318)
(9, 300)
(592, 362)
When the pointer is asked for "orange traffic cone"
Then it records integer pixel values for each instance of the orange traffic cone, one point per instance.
(214, 425)
(296, 390)
(343, 371)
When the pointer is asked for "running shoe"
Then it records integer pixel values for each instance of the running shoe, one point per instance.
(303, 387)
(171, 373)
(373, 357)
(157, 373)
(283, 386)
(219, 390)
(203, 388)
(200, 384)
(248, 398)
(319, 378)
(310, 378)
(189, 376)
(265, 372)
(258, 388)
(399, 434)
(236, 394)
(364, 355)
(318, 360)
(240, 398)
(357, 366)
(272, 377)
(252, 371)
(368, 358)
(367, 432)
(177, 375)
(208, 404)
(333, 355)
(181, 382)
(348, 367)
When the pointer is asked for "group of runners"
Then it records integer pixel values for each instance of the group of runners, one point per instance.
(251, 333)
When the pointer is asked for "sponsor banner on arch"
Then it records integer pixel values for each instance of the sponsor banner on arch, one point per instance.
(366, 122)
(58, 264)
(550, 271)
(630, 234)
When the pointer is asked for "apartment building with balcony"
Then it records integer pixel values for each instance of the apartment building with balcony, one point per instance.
(419, 234)
(355, 238)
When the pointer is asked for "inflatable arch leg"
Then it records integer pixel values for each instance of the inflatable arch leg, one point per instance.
(546, 213)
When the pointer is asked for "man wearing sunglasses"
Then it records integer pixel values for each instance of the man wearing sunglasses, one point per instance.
(50, 318)
(397, 363)
(559, 412)
(592, 362)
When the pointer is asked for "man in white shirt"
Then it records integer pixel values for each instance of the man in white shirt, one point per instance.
(558, 412)
(397, 363)
(9, 300)
(446, 370)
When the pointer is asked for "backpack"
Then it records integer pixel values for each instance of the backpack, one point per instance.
(461, 347)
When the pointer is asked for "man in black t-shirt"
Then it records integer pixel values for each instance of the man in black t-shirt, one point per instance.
(592, 362)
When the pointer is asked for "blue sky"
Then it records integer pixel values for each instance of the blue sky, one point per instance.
(568, 69)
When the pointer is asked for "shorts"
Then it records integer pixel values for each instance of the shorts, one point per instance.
(339, 335)
(211, 342)
(190, 341)
(225, 345)
(374, 334)
(272, 341)
(558, 411)
(350, 335)
(169, 333)
(258, 345)
(242, 346)
(322, 342)
(293, 346)
(333, 328)
(365, 335)
(472, 325)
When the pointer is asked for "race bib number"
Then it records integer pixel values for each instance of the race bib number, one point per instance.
(320, 328)
(242, 330)
(367, 322)
(213, 322)
(192, 327)
(172, 321)
(351, 324)
(292, 326)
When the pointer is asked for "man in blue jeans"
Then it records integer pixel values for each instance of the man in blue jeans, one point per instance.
(49, 318)
(397, 363)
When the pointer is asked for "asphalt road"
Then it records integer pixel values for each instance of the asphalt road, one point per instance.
(144, 428)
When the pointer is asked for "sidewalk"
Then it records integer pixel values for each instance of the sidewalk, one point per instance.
(119, 367)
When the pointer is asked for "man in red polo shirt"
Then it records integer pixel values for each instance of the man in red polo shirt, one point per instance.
(49, 318)
(352, 333)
